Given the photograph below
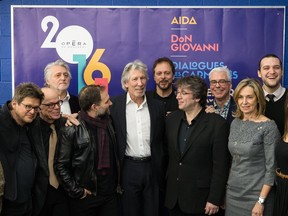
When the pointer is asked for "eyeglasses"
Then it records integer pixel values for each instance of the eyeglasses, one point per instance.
(52, 105)
(28, 108)
(182, 93)
(221, 82)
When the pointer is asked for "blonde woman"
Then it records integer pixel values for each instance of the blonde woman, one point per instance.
(252, 142)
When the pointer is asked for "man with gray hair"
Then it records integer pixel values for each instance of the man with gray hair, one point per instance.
(57, 76)
(139, 126)
(220, 85)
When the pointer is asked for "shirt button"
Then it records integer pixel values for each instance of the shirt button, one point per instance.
(180, 164)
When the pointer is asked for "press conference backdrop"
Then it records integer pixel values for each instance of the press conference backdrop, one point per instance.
(98, 42)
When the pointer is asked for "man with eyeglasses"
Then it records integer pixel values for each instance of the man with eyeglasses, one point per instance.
(18, 148)
(49, 198)
(198, 157)
(220, 86)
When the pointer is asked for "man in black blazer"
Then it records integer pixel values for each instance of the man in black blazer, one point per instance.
(139, 125)
(198, 153)
(220, 86)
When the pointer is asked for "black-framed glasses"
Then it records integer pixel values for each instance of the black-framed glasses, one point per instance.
(28, 108)
(182, 93)
(52, 105)
(221, 82)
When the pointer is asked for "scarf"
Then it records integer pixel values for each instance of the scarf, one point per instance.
(100, 125)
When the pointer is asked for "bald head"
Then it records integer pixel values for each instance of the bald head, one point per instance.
(51, 105)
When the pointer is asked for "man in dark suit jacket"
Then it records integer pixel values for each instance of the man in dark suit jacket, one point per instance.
(198, 153)
(220, 86)
(139, 126)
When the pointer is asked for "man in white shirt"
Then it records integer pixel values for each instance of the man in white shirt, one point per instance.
(139, 126)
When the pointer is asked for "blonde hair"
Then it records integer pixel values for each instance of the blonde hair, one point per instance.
(258, 91)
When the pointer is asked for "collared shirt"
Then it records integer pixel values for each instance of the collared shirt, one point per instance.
(278, 93)
(185, 131)
(65, 107)
(223, 112)
(138, 128)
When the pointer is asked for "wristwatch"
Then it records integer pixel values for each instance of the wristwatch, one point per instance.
(261, 200)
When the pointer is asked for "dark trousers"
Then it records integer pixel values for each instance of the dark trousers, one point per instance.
(10, 208)
(141, 190)
(95, 206)
(176, 211)
(56, 202)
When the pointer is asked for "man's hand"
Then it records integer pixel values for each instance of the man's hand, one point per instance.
(71, 119)
(210, 109)
(86, 192)
(211, 209)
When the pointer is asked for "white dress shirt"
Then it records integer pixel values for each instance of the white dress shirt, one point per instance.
(138, 129)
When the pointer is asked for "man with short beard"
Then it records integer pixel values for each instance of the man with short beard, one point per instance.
(86, 161)
(270, 71)
(164, 71)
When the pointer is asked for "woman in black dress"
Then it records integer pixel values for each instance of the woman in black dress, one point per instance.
(281, 153)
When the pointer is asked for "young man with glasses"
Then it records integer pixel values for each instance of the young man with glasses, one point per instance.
(220, 86)
(17, 149)
(49, 198)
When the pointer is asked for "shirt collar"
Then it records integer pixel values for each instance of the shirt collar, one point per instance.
(67, 97)
(278, 93)
(129, 100)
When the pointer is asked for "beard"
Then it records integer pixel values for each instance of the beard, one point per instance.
(164, 87)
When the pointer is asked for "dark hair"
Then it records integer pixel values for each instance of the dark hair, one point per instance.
(197, 85)
(24, 90)
(164, 59)
(90, 95)
(269, 56)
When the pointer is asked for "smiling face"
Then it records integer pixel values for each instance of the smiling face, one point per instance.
(50, 107)
(271, 73)
(26, 111)
(163, 76)
(186, 100)
(247, 101)
(221, 91)
(136, 84)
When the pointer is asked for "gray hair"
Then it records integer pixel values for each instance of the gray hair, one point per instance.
(135, 65)
(221, 69)
(59, 62)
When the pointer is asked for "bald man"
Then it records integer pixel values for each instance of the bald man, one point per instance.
(50, 199)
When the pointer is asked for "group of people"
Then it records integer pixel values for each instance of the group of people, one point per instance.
(147, 153)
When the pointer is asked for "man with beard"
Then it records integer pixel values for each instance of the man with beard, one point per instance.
(220, 85)
(57, 76)
(271, 72)
(164, 71)
(86, 160)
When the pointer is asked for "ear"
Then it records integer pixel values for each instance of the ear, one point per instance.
(259, 74)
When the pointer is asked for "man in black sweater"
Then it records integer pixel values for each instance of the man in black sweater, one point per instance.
(270, 71)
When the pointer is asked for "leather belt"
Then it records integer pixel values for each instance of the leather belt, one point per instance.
(138, 159)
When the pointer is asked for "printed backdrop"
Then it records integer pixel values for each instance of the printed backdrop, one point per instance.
(99, 42)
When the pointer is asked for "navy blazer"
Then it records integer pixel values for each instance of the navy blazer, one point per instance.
(157, 118)
(200, 174)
